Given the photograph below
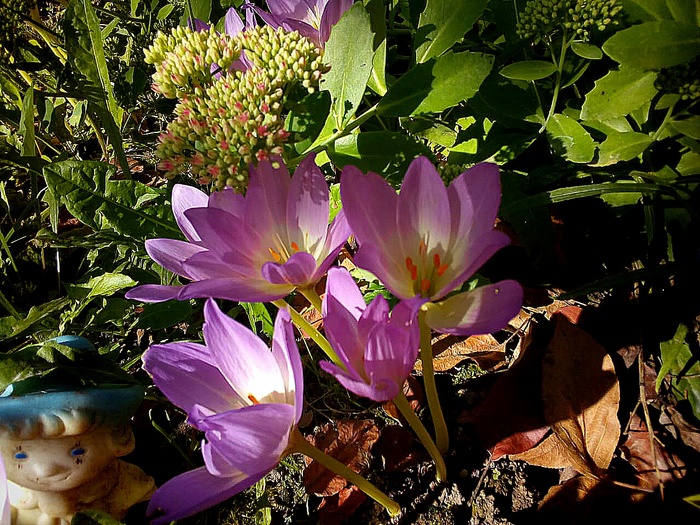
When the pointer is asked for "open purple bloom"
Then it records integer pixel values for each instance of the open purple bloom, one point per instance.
(311, 18)
(428, 240)
(378, 350)
(253, 248)
(245, 398)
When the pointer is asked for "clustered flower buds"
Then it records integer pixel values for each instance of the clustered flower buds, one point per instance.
(232, 92)
(11, 12)
(681, 79)
(582, 17)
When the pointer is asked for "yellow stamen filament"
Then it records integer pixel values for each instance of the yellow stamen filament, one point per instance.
(422, 247)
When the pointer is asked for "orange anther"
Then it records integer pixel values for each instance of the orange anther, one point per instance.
(295, 247)
(276, 256)
(409, 264)
(253, 400)
(414, 272)
(436, 260)
(441, 270)
(425, 285)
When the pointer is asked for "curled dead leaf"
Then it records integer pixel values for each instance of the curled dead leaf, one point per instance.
(450, 350)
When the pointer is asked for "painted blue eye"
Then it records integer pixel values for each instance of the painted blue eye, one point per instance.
(77, 451)
(20, 456)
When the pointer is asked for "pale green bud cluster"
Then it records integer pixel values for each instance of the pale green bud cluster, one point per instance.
(185, 59)
(682, 80)
(11, 12)
(580, 17)
(230, 117)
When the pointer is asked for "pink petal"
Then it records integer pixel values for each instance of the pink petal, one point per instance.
(153, 293)
(390, 356)
(351, 382)
(298, 270)
(244, 360)
(229, 201)
(343, 288)
(188, 376)
(286, 352)
(184, 198)
(235, 289)
(423, 209)
(253, 438)
(482, 311)
(171, 253)
(193, 492)
(208, 265)
(233, 23)
(388, 267)
(223, 234)
(308, 206)
(338, 234)
(342, 332)
(266, 199)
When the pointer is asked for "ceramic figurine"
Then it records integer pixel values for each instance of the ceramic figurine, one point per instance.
(60, 449)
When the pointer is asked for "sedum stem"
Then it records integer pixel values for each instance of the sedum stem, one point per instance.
(312, 332)
(442, 439)
(299, 444)
(412, 419)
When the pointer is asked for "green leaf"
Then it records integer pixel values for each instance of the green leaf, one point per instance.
(654, 45)
(588, 51)
(377, 79)
(26, 124)
(349, 54)
(383, 152)
(259, 316)
(684, 10)
(647, 10)
(444, 22)
(156, 316)
(528, 70)
(87, 59)
(437, 84)
(37, 314)
(107, 284)
(619, 147)
(618, 94)
(689, 127)
(677, 360)
(93, 517)
(569, 139)
(85, 190)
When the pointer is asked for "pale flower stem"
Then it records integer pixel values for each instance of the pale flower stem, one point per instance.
(412, 419)
(314, 334)
(312, 297)
(299, 444)
(426, 356)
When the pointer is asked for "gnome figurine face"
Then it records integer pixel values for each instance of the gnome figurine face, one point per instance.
(60, 448)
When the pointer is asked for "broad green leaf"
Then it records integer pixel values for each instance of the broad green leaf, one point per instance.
(37, 314)
(528, 70)
(430, 130)
(618, 94)
(654, 45)
(200, 9)
(677, 359)
(689, 164)
(259, 317)
(444, 22)
(689, 126)
(513, 103)
(437, 84)
(684, 10)
(619, 147)
(588, 51)
(569, 139)
(107, 284)
(307, 117)
(647, 10)
(383, 152)
(349, 54)
(156, 316)
(87, 59)
(377, 79)
(26, 124)
(86, 190)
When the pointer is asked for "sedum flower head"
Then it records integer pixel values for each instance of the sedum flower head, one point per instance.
(682, 80)
(11, 13)
(581, 17)
(229, 115)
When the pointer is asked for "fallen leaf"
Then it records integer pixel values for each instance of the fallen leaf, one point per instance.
(398, 448)
(415, 395)
(339, 507)
(450, 350)
(551, 452)
(581, 396)
(511, 419)
(350, 443)
(689, 434)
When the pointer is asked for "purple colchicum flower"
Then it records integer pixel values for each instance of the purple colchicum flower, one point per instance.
(428, 240)
(255, 248)
(378, 350)
(245, 398)
(311, 18)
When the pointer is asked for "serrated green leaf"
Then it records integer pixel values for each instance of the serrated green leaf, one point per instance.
(437, 84)
(349, 54)
(618, 94)
(620, 147)
(87, 59)
(569, 139)
(86, 190)
(383, 152)
(588, 51)
(444, 22)
(654, 45)
(528, 70)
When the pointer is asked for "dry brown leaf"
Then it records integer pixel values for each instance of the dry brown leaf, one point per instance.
(581, 396)
(350, 443)
(398, 448)
(413, 391)
(551, 452)
(339, 507)
(574, 493)
(689, 434)
(450, 350)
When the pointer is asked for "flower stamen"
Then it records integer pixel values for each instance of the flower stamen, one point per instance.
(253, 399)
